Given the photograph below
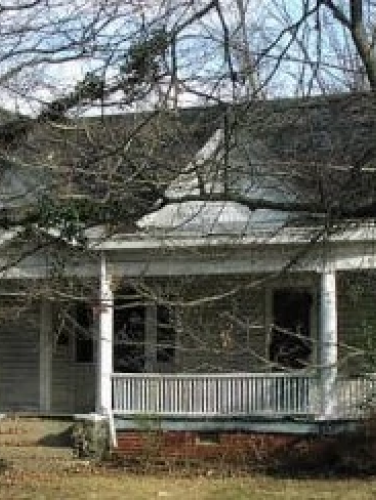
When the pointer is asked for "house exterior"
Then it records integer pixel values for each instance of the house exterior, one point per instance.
(209, 317)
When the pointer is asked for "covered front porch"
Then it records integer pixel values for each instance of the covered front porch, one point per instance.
(316, 386)
(241, 340)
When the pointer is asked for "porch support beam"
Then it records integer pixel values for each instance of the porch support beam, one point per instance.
(105, 342)
(328, 343)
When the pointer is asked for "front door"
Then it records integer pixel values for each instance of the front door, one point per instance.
(291, 345)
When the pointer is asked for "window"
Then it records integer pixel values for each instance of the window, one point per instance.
(129, 336)
(84, 334)
(291, 344)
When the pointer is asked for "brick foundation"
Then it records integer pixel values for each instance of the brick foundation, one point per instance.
(196, 445)
(344, 452)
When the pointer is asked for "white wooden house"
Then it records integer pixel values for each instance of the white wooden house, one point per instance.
(207, 310)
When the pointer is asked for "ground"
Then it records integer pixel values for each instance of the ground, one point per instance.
(49, 473)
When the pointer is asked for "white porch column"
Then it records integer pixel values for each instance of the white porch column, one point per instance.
(105, 343)
(45, 356)
(328, 342)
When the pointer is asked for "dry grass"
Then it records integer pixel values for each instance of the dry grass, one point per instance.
(42, 473)
(101, 484)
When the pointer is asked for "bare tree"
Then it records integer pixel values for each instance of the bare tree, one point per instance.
(61, 64)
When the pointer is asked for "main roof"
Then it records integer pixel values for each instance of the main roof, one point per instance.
(318, 149)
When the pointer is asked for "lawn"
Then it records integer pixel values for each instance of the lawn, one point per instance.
(110, 485)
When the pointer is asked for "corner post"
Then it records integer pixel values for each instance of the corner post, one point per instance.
(105, 342)
(328, 343)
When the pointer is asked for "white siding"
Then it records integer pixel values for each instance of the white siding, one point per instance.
(84, 387)
(73, 384)
(62, 387)
(356, 321)
(19, 356)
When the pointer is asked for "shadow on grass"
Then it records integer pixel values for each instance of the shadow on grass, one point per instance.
(58, 439)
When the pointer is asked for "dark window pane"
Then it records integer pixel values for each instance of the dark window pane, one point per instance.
(129, 334)
(290, 345)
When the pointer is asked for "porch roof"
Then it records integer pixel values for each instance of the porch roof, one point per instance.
(99, 239)
(144, 254)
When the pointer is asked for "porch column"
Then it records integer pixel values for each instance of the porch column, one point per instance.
(328, 343)
(105, 343)
(45, 356)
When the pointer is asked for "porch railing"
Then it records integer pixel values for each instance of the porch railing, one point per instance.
(355, 397)
(267, 394)
(215, 394)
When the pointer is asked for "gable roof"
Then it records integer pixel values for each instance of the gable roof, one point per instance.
(318, 149)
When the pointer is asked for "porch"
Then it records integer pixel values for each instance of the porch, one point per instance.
(299, 374)
(231, 395)
(221, 360)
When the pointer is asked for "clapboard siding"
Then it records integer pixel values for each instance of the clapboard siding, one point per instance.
(84, 393)
(19, 355)
(73, 384)
(356, 305)
(62, 388)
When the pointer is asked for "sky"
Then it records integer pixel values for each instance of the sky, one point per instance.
(30, 37)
